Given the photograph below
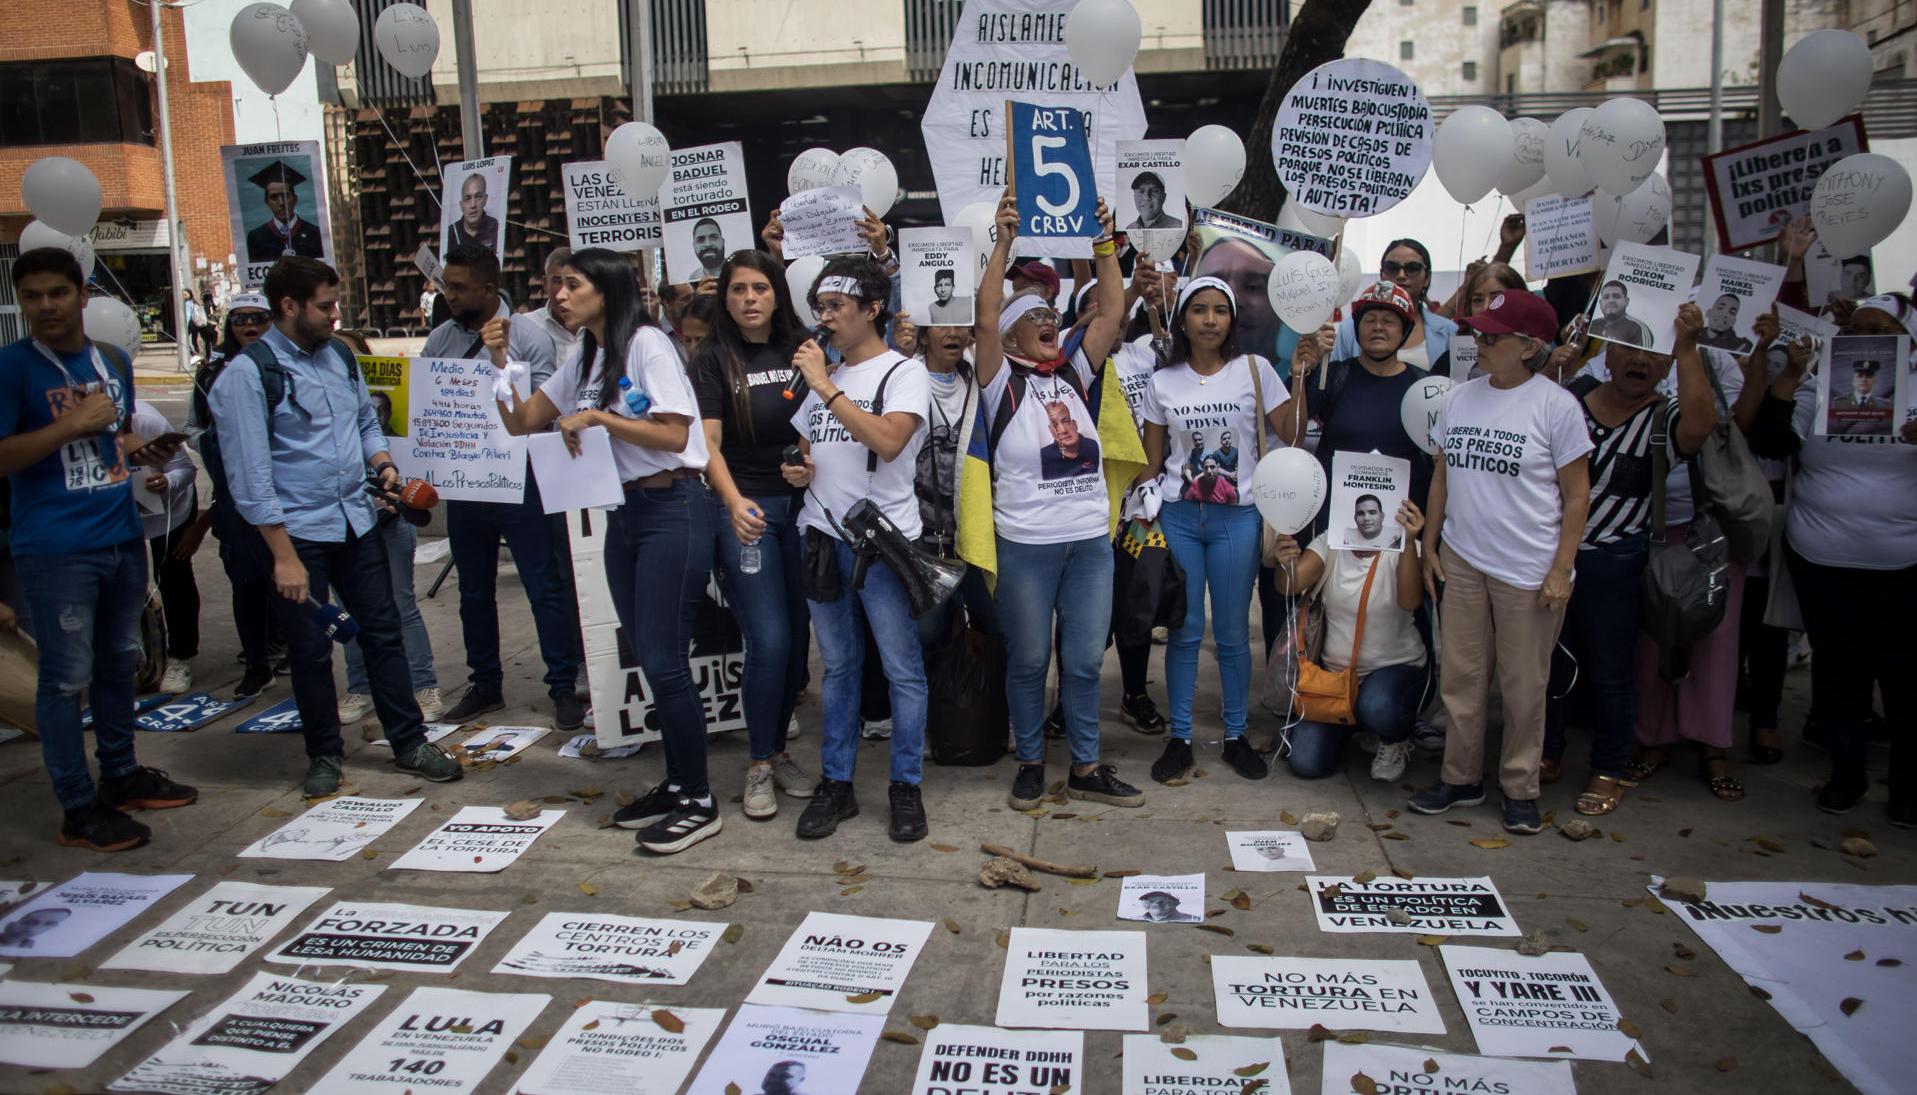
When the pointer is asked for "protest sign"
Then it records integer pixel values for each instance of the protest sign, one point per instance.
(1162, 898)
(707, 215)
(1242, 252)
(1560, 237)
(1831, 278)
(389, 388)
(1758, 188)
(822, 221)
(1074, 980)
(1815, 950)
(1052, 178)
(1212, 1064)
(69, 918)
(935, 285)
(1857, 385)
(1269, 850)
(1551, 1005)
(610, 1048)
(1352, 138)
(843, 963)
(1151, 195)
(1464, 358)
(276, 202)
(281, 718)
(599, 212)
(604, 947)
(1402, 1070)
(1637, 303)
(586, 746)
(1366, 489)
(457, 442)
(1733, 293)
(1793, 325)
(789, 1049)
(436, 1040)
(252, 1039)
(979, 1059)
(472, 204)
(1340, 993)
(69, 1026)
(429, 267)
(217, 930)
(1437, 906)
(188, 712)
(496, 743)
(478, 839)
(335, 830)
(389, 937)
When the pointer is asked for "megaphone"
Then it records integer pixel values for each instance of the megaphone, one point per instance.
(928, 581)
(334, 622)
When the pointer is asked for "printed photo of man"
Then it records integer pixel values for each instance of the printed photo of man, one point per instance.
(1614, 322)
(284, 232)
(948, 309)
(1148, 195)
(1159, 907)
(709, 247)
(1720, 322)
(474, 225)
(1070, 454)
(784, 1078)
(1862, 412)
(1368, 527)
(20, 934)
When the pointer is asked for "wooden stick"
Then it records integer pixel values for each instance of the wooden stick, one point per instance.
(1036, 864)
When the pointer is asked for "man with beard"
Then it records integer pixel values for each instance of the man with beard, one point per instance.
(1614, 323)
(1719, 326)
(709, 247)
(284, 233)
(474, 225)
(1070, 454)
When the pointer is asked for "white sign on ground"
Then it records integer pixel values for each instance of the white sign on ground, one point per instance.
(1221, 1064)
(1435, 906)
(478, 839)
(69, 918)
(252, 1039)
(218, 930)
(497, 743)
(69, 1026)
(789, 1049)
(1162, 898)
(627, 949)
(1074, 980)
(1269, 850)
(389, 937)
(1401, 1071)
(961, 1058)
(1341, 993)
(609, 1048)
(436, 1040)
(336, 830)
(1551, 1005)
(843, 963)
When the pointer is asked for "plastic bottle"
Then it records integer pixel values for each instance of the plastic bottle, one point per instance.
(636, 400)
(750, 558)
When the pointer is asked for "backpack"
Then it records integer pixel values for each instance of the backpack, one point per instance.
(274, 382)
(1686, 585)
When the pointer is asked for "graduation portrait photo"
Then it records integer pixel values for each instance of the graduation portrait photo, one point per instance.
(274, 198)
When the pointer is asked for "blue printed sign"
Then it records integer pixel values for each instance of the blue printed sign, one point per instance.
(187, 713)
(281, 718)
(1052, 173)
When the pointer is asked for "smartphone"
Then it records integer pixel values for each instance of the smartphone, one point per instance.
(792, 457)
(171, 437)
(1580, 329)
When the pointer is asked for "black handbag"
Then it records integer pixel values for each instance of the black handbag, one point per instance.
(1148, 585)
(967, 718)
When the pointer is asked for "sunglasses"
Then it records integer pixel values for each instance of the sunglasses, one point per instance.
(250, 319)
(1409, 269)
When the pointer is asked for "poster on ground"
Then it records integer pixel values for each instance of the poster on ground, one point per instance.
(1435, 906)
(767, 1050)
(1150, 206)
(472, 206)
(437, 1039)
(1218, 1064)
(959, 1058)
(609, 1048)
(498, 743)
(336, 830)
(1342, 994)
(1065, 980)
(69, 1026)
(843, 963)
(252, 1039)
(455, 440)
(1401, 1070)
(599, 213)
(1758, 188)
(186, 713)
(1269, 850)
(1857, 385)
(1550, 1005)
(1732, 294)
(1637, 302)
(628, 949)
(935, 276)
(375, 935)
(276, 202)
(217, 930)
(822, 221)
(76, 914)
(1560, 237)
(1352, 138)
(1366, 490)
(707, 215)
(281, 718)
(1162, 898)
(477, 840)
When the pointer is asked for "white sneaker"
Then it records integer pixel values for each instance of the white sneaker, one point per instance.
(760, 801)
(431, 705)
(1388, 765)
(353, 707)
(1161, 635)
(177, 679)
(878, 730)
(791, 778)
(792, 727)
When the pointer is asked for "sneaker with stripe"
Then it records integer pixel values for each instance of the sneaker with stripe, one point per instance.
(687, 824)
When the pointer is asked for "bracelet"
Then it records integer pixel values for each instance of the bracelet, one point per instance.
(835, 395)
(1105, 248)
(383, 465)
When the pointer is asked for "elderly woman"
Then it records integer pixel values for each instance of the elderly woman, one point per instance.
(1407, 264)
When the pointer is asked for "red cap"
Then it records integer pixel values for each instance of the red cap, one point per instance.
(1040, 271)
(1517, 311)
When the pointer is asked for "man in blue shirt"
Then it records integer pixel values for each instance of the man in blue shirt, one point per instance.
(64, 407)
(298, 470)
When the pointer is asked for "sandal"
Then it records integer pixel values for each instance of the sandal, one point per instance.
(1646, 765)
(1723, 785)
(1600, 796)
(1550, 771)
(1762, 748)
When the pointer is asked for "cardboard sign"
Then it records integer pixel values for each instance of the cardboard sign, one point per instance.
(1637, 303)
(217, 930)
(336, 830)
(707, 214)
(1436, 906)
(822, 221)
(472, 204)
(1758, 188)
(627, 949)
(1352, 138)
(1551, 1005)
(1858, 385)
(1052, 178)
(609, 1048)
(843, 963)
(1560, 237)
(1074, 980)
(599, 213)
(1269, 850)
(276, 199)
(253, 1039)
(1401, 1071)
(478, 839)
(1338, 993)
(189, 712)
(281, 718)
(69, 1026)
(1366, 490)
(1219, 1064)
(437, 1039)
(456, 441)
(935, 276)
(791, 1049)
(968, 1058)
(69, 918)
(389, 937)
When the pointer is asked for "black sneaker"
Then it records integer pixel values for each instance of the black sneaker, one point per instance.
(101, 828)
(1245, 760)
(1028, 787)
(476, 702)
(1174, 762)
(1142, 713)
(1102, 784)
(145, 789)
(1055, 723)
(257, 679)
(1521, 816)
(568, 711)
(648, 809)
(832, 802)
(686, 824)
(1841, 796)
(1442, 796)
(908, 813)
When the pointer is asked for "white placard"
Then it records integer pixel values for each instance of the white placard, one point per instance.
(69, 918)
(434, 730)
(336, 830)
(822, 221)
(276, 197)
(477, 840)
(1551, 1005)
(1162, 898)
(1151, 195)
(587, 481)
(610, 1048)
(16, 891)
(707, 216)
(1400, 1070)
(1732, 295)
(1464, 358)
(1339, 993)
(1857, 382)
(832, 958)
(768, 1050)
(1560, 237)
(1793, 324)
(472, 204)
(497, 743)
(935, 283)
(376, 935)
(1269, 850)
(599, 213)
(252, 1039)
(1830, 278)
(217, 930)
(1074, 980)
(960, 1058)
(1366, 489)
(1224, 1065)
(1352, 138)
(576, 748)
(628, 949)
(69, 1026)
(1437, 906)
(456, 441)
(1637, 302)
(435, 1040)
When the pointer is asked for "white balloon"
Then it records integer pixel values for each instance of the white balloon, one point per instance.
(1101, 37)
(1637, 217)
(62, 192)
(1620, 144)
(1527, 157)
(1858, 202)
(270, 45)
(38, 234)
(1303, 289)
(1288, 488)
(1823, 77)
(408, 38)
(811, 169)
(640, 159)
(1295, 216)
(1561, 160)
(1418, 411)
(332, 30)
(981, 218)
(799, 276)
(1214, 161)
(108, 320)
(1472, 150)
(873, 173)
(1351, 276)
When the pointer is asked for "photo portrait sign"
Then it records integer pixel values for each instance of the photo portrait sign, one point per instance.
(276, 200)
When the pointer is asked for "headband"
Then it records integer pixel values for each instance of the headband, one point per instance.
(1894, 308)
(1207, 282)
(1014, 311)
(839, 283)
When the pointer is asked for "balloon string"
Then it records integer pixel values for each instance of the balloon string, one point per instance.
(1485, 249)
(430, 192)
(1464, 221)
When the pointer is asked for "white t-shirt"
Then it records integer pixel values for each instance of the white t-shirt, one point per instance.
(1136, 361)
(1391, 635)
(838, 461)
(1851, 497)
(1041, 493)
(1502, 451)
(655, 369)
(1210, 449)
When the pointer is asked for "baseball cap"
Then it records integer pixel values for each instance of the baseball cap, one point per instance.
(1517, 311)
(1040, 271)
(244, 301)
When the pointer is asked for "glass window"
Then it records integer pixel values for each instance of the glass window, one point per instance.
(1404, 51)
(1470, 16)
(91, 100)
(1471, 70)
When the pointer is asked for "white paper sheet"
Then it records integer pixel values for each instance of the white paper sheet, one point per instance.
(477, 840)
(1437, 906)
(822, 1051)
(499, 742)
(1338, 993)
(1551, 1005)
(69, 1026)
(588, 481)
(217, 930)
(1269, 850)
(69, 918)
(252, 1039)
(375, 935)
(1401, 1068)
(959, 1058)
(1162, 898)
(437, 1039)
(627, 949)
(1222, 1067)
(831, 958)
(609, 1048)
(1074, 980)
(336, 830)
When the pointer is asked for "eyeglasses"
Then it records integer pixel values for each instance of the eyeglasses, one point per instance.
(1040, 316)
(1409, 269)
(1485, 338)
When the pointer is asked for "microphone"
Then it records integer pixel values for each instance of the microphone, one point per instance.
(414, 500)
(334, 622)
(821, 335)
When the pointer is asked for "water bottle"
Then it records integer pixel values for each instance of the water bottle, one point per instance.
(749, 556)
(636, 400)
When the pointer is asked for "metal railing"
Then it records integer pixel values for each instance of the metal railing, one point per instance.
(380, 84)
(1241, 34)
(1890, 109)
(678, 47)
(928, 32)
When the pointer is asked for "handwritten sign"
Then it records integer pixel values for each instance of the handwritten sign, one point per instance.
(1560, 237)
(822, 221)
(1758, 188)
(599, 213)
(1353, 138)
(458, 444)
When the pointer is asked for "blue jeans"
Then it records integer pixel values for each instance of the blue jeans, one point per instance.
(1600, 627)
(1387, 705)
(770, 609)
(1072, 582)
(840, 628)
(475, 530)
(1217, 547)
(86, 616)
(658, 558)
(398, 540)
